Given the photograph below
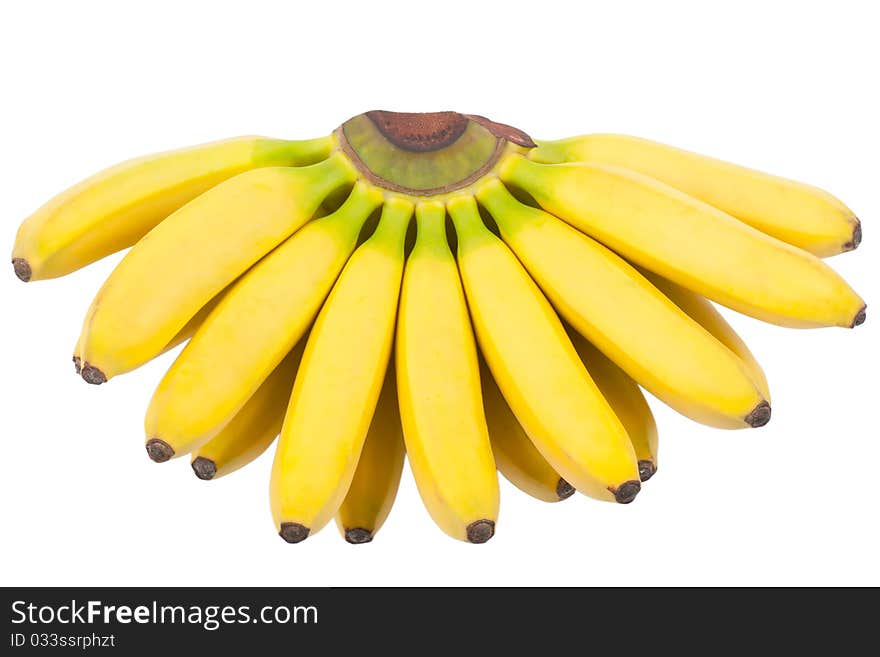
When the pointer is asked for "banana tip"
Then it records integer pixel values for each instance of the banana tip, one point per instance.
(564, 490)
(92, 374)
(77, 364)
(860, 317)
(293, 532)
(358, 535)
(759, 416)
(22, 269)
(159, 450)
(480, 531)
(205, 469)
(856, 238)
(647, 469)
(626, 492)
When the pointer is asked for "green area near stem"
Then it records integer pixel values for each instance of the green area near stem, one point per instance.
(390, 233)
(291, 153)
(419, 171)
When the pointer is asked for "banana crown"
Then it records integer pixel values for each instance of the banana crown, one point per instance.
(426, 154)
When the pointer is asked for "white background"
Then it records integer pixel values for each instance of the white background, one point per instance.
(786, 87)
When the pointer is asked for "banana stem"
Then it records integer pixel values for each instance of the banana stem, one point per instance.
(469, 225)
(354, 211)
(294, 152)
(502, 205)
(431, 223)
(336, 167)
(391, 231)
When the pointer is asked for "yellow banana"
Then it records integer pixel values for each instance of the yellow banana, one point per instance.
(374, 486)
(338, 383)
(627, 401)
(536, 367)
(118, 206)
(438, 382)
(703, 312)
(254, 427)
(185, 260)
(259, 321)
(180, 337)
(691, 243)
(515, 455)
(626, 317)
(799, 214)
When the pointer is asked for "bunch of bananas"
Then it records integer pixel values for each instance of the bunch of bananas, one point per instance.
(526, 289)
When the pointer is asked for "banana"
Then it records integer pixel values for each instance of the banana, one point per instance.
(691, 243)
(259, 321)
(184, 261)
(180, 337)
(627, 401)
(254, 427)
(338, 382)
(799, 214)
(627, 318)
(536, 367)
(438, 382)
(374, 486)
(515, 455)
(115, 208)
(703, 312)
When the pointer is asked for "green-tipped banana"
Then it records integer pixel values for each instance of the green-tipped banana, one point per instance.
(260, 320)
(339, 381)
(626, 317)
(537, 369)
(166, 277)
(691, 243)
(799, 214)
(115, 208)
(438, 382)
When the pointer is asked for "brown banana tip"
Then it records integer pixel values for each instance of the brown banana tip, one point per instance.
(480, 531)
(647, 469)
(204, 468)
(358, 535)
(564, 490)
(22, 269)
(860, 317)
(856, 237)
(293, 532)
(159, 450)
(77, 364)
(92, 374)
(626, 492)
(759, 416)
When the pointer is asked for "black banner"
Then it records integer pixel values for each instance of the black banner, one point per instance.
(132, 621)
